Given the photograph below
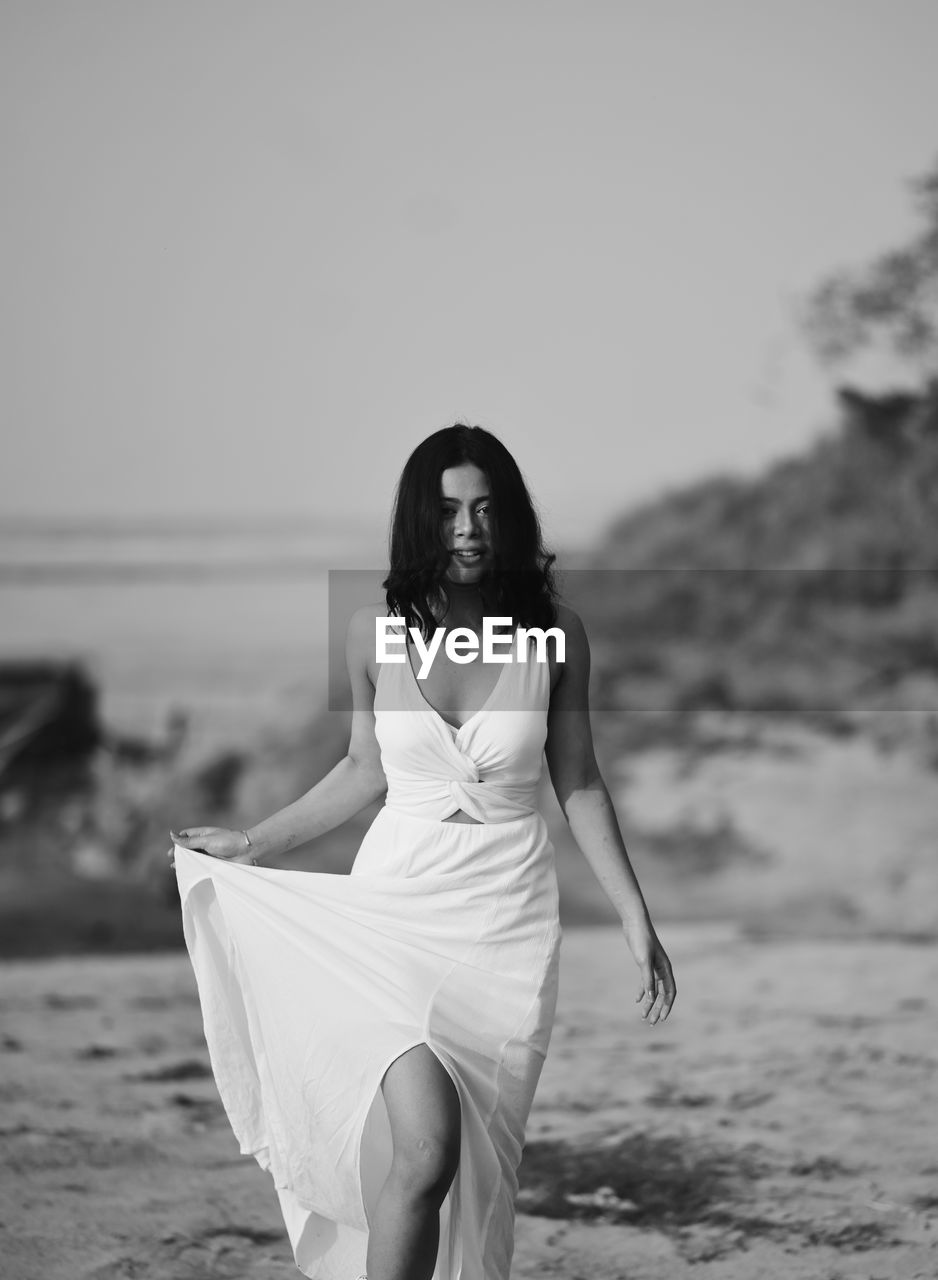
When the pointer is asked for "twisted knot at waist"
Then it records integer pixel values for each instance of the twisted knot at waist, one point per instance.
(492, 801)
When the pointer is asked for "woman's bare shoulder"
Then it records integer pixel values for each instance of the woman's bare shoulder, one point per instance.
(360, 643)
(568, 618)
(571, 624)
(576, 645)
(364, 616)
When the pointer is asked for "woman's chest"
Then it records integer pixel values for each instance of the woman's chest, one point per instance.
(457, 680)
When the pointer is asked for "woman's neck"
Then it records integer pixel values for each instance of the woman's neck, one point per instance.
(466, 603)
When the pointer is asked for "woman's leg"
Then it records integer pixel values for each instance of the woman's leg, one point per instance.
(423, 1108)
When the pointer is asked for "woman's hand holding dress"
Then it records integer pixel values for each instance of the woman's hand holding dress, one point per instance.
(218, 842)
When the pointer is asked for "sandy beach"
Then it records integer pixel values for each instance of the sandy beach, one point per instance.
(781, 1123)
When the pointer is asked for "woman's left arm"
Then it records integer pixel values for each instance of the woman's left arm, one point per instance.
(587, 806)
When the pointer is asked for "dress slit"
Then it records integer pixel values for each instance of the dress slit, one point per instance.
(376, 1147)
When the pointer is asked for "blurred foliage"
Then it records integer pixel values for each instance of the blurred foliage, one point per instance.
(894, 299)
(811, 591)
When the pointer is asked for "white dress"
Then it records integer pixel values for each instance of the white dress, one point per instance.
(444, 933)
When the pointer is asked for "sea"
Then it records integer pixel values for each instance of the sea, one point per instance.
(229, 624)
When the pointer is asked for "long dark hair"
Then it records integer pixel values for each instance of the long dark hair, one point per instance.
(521, 583)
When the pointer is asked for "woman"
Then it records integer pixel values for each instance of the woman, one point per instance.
(377, 1038)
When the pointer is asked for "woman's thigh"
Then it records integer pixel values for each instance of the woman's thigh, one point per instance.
(424, 1112)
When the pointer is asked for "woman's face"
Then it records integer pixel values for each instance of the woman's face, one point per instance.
(466, 511)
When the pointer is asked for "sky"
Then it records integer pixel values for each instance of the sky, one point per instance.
(252, 254)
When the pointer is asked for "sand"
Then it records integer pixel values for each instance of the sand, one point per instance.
(781, 1123)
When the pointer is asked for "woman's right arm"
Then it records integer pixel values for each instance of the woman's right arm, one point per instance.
(356, 781)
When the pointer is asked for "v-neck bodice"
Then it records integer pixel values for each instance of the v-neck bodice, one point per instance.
(489, 766)
(456, 728)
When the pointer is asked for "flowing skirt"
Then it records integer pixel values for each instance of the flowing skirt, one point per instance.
(311, 984)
